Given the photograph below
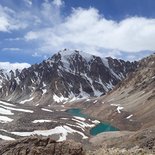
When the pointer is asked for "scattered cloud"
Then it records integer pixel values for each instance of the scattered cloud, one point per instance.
(13, 66)
(11, 49)
(28, 2)
(58, 2)
(14, 39)
(36, 55)
(47, 30)
(9, 21)
(86, 29)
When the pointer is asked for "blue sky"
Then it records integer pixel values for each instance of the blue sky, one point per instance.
(33, 30)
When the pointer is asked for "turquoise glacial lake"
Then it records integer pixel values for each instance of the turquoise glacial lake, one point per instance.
(76, 112)
(99, 128)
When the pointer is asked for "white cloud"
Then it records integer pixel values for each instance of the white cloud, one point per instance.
(11, 49)
(28, 2)
(9, 21)
(58, 2)
(3, 24)
(86, 29)
(50, 12)
(14, 39)
(36, 55)
(13, 66)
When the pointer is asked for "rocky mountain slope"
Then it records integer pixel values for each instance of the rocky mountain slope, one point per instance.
(130, 106)
(132, 100)
(67, 74)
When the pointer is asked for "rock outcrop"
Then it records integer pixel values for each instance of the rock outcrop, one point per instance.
(40, 146)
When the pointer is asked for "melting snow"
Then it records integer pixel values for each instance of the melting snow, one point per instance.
(5, 119)
(119, 108)
(96, 92)
(83, 124)
(83, 93)
(59, 99)
(96, 121)
(63, 131)
(7, 104)
(48, 110)
(41, 121)
(17, 80)
(5, 111)
(44, 85)
(95, 101)
(6, 137)
(44, 91)
(27, 100)
(64, 118)
(129, 116)
(80, 118)
(109, 85)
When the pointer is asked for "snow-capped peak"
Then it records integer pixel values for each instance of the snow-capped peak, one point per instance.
(66, 53)
(68, 73)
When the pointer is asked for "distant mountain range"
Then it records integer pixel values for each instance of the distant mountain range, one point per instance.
(66, 75)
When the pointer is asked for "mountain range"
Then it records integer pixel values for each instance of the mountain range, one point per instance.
(66, 75)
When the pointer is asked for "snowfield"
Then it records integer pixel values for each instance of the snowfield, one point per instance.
(62, 131)
(5, 119)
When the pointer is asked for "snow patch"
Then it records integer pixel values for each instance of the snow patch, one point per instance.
(62, 131)
(96, 122)
(5, 111)
(7, 104)
(95, 101)
(83, 124)
(48, 110)
(5, 119)
(119, 108)
(129, 116)
(80, 118)
(59, 99)
(27, 100)
(6, 137)
(41, 121)
(44, 91)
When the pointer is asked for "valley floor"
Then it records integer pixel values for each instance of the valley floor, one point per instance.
(19, 120)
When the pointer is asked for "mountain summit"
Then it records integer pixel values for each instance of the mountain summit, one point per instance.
(66, 75)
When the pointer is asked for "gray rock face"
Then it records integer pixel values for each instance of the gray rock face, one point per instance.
(66, 74)
(41, 146)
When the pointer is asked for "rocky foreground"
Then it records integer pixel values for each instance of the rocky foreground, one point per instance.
(46, 146)
(40, 146)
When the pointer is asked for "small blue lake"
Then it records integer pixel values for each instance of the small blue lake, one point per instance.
(102, 127)
(99, 128)
(76, 112)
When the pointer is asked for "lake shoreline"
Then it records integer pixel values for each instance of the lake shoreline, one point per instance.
(100, 127)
